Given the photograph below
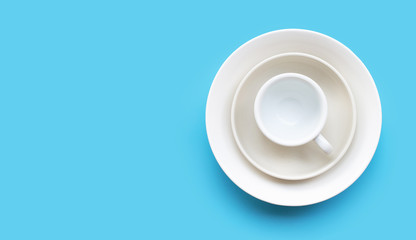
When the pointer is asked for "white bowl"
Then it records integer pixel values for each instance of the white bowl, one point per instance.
(305, 161)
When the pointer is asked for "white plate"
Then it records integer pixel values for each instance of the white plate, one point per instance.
(263, 186)
(308, 160)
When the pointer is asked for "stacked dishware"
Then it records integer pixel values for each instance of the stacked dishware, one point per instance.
(293, 117)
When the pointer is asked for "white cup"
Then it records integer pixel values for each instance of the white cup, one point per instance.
(291, 109)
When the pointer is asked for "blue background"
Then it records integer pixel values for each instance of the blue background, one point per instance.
(102, 131)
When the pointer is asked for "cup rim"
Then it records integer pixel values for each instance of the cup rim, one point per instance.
(322, 114)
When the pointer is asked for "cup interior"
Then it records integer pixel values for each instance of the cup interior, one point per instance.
(290, 109)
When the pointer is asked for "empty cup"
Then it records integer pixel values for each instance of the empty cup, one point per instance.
(291, 110)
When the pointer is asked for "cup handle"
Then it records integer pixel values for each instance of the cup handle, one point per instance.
(323, 144)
